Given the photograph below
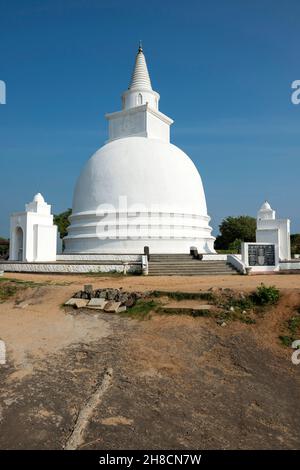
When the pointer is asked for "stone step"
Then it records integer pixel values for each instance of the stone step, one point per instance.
(185, 265)
(192, 270)
(172, 273)
(188, 268)
(186, 273)
(178, 268)
(193, 265)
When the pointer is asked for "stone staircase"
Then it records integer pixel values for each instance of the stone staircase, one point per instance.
(186, 265)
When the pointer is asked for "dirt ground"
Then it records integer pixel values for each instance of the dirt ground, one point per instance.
(177, 382)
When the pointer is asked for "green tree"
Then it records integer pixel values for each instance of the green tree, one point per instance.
(235, 247)
(234, 230)
(295, 243)
(4, 247)
(62, 221)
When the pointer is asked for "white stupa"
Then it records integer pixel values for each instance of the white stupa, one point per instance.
(139, 189)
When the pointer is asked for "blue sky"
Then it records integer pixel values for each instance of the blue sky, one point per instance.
(223, 69)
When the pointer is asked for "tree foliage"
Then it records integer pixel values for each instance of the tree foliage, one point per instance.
(4, 247)
(295, 243)
(62, 222)
(234, 230)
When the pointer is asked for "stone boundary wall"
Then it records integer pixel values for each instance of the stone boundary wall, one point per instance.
(64, 268)
(99, 257)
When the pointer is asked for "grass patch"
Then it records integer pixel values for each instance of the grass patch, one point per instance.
(177, 295)
(29, 283)
(236, 315)
(142, 309)
(185, 311)
(7, 290)
(286, 340)
(230, 306)
(17, 281)
(244, 307)
(111, 274)
(293, 327)
(10, 286)
(239, 303)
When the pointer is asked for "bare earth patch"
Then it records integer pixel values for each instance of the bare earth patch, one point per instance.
(178, 382)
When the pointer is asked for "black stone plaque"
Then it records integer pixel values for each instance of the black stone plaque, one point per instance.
(261, 255)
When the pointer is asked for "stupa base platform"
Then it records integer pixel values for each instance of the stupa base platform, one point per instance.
(96, 263)
(74, 267)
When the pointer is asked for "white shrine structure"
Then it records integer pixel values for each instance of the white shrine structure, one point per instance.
(272, 230)
(33, 236)
(139, 189)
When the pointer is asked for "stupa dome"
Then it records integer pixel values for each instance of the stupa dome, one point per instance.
(139, 189)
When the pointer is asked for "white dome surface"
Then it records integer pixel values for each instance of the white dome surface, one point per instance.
(152, 181)
(147, 171)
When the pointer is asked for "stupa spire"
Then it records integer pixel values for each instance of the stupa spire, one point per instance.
(140, 77)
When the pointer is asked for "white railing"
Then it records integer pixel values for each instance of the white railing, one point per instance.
(237, 263)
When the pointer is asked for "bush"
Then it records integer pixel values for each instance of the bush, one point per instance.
(265, 295)
(286, 340)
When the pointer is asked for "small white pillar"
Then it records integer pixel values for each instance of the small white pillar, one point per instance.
(33, 236)
(272, 230)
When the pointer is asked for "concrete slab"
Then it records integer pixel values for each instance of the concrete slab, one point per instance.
(77, 303)
(112, 306)
(121, 309)
(97, 304)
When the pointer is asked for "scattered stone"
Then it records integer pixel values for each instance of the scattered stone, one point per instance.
(142, 295)
(77, 295)
(88, 289)
(122, 309)
(77, 303)
(112, 306)
(97, 303)
(223, 324)
(22, 305)
(125, 299)
(231, 309)
(213, 289)
(85, 295)
(130, 301)
(112, 294)
(123, 296)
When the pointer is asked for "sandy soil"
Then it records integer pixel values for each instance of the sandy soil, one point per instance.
(184, 283)
(41, 327)
(178, 382)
